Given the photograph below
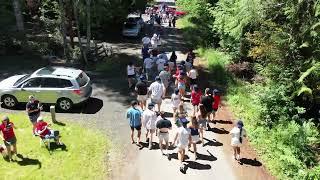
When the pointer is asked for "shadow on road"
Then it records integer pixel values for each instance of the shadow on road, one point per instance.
(25, 161)
(251, 162)
(212, 143)
(198, 166)
(223, 121)
(218, 130)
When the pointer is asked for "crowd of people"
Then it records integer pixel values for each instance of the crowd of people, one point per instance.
(161, 75)
(40, 128)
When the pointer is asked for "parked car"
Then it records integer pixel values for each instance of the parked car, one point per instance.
(133, 25)
(61, 86)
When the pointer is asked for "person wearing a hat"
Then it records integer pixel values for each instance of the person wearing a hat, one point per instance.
(149, 118)
(156, 89)
(33, 109)
(44, 131)
(237, 135)
(142, 91)
(182, 139)
(8, 136)
(134, 118)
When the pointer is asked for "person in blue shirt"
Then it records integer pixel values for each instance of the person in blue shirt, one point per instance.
(134, 118)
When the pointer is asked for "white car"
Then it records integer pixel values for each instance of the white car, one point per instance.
(133, 26)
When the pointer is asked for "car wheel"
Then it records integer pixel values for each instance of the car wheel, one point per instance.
(64, 104)
(9, 101)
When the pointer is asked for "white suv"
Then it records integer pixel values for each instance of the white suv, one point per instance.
(50, 85)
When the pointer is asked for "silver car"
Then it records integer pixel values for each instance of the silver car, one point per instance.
(133, 26)
(50, 85)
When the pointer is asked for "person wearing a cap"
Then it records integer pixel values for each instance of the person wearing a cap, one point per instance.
(8, 136)
(33, 109)
(149, 118)
(237, 134)
(142, 91)
(134, 118)
(44, 131)
(156, 89)
(163, 126)
(183, 138)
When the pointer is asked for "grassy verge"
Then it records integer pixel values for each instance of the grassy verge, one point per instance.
(83, 159)
(284, 148)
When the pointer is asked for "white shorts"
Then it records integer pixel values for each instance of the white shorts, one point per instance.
(163, 136)
(142, 98)
(182, 146)
(195, 138)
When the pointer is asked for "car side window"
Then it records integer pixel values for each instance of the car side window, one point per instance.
(32, 83)
(50, 83)
(65, 83)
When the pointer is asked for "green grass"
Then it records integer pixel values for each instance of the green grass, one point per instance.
(84, 158)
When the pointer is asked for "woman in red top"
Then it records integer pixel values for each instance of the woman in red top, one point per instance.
(195, 98)
(8, 136)
(216, 102)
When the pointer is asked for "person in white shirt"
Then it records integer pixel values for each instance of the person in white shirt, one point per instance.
(176, 101)
(193, 75)
(148, 64)
(184, 138)
(237, 135)
(131, 73)
(149, 118)
(160, 64)
(156, 89)
(155, 41)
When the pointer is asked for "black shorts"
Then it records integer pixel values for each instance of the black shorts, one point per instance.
(138, 128)
(131, 76)
(193, 81)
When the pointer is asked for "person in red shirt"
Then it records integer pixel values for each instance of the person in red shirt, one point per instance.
(195, 98)
(216, 103)
(8, 136)
(44, 131)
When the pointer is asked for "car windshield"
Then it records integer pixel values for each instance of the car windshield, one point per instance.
(21, 79)
(130, 25)
(82, 79)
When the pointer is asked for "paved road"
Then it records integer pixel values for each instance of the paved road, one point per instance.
(105, 112)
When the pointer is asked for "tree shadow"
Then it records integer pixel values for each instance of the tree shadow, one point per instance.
(212, 143)
(25, 161)
(251, 162)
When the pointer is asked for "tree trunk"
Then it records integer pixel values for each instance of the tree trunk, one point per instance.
(75, 11)
(17, 13)
(88, 2)
(63, 28)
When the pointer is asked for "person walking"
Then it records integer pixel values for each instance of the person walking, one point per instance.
(131, 73)
(165, 77)
(175, 100)
(216, 103)
(8, 137)
(191, 56)
(149, 118)
(201, 117)
(33, 109)
(156, 89)
(193, 75)
(237, 134)
(195, 98)
(182, 85)
(182, 137)
(142, 91)
(163, 126)
(194, 130)
(160, 64)
(148, 65)
(207, 102)
(134, 118)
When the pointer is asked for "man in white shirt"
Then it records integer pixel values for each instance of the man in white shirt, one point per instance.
(193, 75)
(149, 118)
(148, 64)
(156, 89)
